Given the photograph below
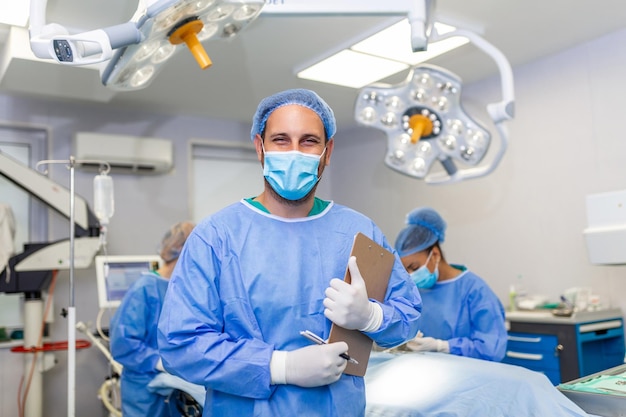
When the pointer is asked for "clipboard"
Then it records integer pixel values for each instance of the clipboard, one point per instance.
(375, 264)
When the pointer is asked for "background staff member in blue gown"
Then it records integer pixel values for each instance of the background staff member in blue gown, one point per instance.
(462, 315)
(133, 331)
(256, 273)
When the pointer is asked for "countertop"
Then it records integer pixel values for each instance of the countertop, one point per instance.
(546, 316)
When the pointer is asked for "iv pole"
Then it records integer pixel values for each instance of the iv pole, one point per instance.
(71, 325)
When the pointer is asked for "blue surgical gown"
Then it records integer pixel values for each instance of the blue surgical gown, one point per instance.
(467, 313)
(246, 284)
(134, 345)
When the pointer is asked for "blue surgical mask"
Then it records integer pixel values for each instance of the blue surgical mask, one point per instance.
(291, 174)
(423, 278)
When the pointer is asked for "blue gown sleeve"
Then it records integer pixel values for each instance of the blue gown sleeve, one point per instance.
(191, 336)
(132, 327)
(488, 335)
(402, 306)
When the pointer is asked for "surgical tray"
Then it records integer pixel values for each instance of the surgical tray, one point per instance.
(598, 403)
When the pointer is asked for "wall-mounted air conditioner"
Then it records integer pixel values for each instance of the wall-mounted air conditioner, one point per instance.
(125, 154)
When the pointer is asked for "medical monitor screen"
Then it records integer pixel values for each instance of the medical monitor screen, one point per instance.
(115, 275)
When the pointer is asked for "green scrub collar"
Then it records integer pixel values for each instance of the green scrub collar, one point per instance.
(319, 206)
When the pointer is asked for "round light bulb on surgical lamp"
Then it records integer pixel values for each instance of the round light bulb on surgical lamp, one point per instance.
(402, 141)
(246, 12)
(103, 199)
(468, 153)
(455, 126)
(448, 143)
(208, 31)
(419, 95)
(146, 49)
(220, 13)
(389, 120)
(141, 76)
(164, 52)
(447, 88)
(441, 103)
(167, 19)
(367, 115)
(397, 157)
(394, 103)
(418, 167)
(372, 97)
(424, 149)
(423, 80)
(476, 139)
(197, 7)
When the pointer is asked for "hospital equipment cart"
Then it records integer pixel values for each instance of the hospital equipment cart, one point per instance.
(565, 348)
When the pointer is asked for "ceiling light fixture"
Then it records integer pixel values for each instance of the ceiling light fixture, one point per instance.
(425, 122)
(131, 54)
(379, 56)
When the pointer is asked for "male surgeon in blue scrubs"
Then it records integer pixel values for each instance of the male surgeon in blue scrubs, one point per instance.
(256, 273)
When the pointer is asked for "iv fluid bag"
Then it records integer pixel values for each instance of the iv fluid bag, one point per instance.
(103, 198)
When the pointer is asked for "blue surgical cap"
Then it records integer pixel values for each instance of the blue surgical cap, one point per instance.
(173, 241)
(299, 96)
(425, 227)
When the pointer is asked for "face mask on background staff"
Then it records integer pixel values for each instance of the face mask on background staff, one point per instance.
(423, 278)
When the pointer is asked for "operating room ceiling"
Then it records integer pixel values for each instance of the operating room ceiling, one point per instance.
(262, 59)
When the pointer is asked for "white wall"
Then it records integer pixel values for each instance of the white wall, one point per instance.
(524, 219)
(527, 217)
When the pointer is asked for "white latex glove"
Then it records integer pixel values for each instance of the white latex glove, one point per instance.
(159, 366)
(428, 344)
(310, 366)
(348, 306)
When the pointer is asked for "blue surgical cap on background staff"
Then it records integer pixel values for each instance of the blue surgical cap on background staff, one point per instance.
(425, 227)
(173, 241)
(299, 96)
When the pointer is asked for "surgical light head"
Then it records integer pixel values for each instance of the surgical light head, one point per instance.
(299, 96)
(425, 122)
(167, 24)
(174, 239)
(132, 53)
(425, 227)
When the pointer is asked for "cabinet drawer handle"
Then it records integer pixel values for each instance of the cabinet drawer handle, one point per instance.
(529, 356)
(525, 339)
(594, 327)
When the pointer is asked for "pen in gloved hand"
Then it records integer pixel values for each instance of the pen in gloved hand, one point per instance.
(316, 339)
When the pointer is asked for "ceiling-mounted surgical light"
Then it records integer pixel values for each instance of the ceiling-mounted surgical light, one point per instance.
(165, 26)
(425, 122)
(131, 54)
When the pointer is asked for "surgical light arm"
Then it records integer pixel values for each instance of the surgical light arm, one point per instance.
(418, 12)
(499, 112)
(53, 41)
